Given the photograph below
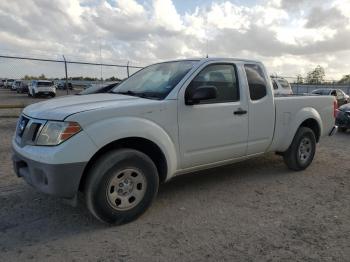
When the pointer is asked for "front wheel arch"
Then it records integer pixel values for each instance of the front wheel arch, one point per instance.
(148, 147)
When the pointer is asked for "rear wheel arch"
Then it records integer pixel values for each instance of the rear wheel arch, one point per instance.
(314, 126)
(148, 147)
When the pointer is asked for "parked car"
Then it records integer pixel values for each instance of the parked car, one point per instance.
(22, 88)
(343, 117)
(98, 89)
(281, 86)
(2, 82)
(42, 87)
(15, 85)
(63, 85)
(8, 83)
(341, 97)
(165, 120)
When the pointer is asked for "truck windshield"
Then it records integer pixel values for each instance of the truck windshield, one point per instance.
(155, 81)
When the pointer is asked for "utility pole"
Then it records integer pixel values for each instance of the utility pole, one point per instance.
(127, 69)
(65, 69)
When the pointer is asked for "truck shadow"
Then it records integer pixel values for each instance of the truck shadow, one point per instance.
(30, 218)
(264, 168)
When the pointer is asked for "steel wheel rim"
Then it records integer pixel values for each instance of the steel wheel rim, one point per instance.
(126, 189)
(305, 150)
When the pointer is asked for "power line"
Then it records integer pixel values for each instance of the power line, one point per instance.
(68, 61)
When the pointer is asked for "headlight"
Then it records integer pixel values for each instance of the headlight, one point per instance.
(54, 132)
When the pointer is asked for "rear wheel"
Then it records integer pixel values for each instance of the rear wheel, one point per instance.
(121, 185)
(302, 150)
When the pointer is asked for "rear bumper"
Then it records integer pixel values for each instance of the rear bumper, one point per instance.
(45, 92)
(61, 180)
(333, 131)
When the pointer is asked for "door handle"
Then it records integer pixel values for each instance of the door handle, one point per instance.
(240, 112)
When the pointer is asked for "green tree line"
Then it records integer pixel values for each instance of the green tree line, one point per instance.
(317, 76)
(74, 78)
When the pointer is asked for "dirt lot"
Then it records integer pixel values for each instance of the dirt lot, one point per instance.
(256, 210)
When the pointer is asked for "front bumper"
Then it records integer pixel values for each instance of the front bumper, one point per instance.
(61, 180)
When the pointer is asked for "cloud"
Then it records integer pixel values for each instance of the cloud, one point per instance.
(290, 36)
(321, 17)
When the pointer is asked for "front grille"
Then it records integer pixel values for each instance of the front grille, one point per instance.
(28, 130)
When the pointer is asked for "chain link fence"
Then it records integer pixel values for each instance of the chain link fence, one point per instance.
(79, 74)
(302, 88)
(64, 72)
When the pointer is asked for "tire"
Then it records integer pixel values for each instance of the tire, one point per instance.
(342, 129)
(52, 95)
(104, 191)
(302, 150)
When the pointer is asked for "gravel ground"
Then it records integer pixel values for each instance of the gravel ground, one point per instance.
(255, 210)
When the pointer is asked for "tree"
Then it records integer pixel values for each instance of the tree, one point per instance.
(345, 80)
(316, 76)
(113, 78)
(300, 79)
(42, 76)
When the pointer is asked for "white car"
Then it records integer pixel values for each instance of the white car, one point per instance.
(8, 83)
(15, 85)
(165, 120)
(281, 86)
(41, 87)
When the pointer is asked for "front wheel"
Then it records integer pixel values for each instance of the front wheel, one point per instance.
(302, 150)
(121, 185)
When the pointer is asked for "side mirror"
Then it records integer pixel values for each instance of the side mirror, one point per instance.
(201, 93)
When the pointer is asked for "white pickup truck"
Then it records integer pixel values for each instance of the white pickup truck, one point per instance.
(167, 119)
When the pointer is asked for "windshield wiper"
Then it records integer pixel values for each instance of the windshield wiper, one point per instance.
(149, 95)
(129, 93)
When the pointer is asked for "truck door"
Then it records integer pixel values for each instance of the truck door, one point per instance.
(261, 109)
(215, 129)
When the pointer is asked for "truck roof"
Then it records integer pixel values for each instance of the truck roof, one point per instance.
(213, 59)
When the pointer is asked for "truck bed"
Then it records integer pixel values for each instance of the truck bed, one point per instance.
(291, 109)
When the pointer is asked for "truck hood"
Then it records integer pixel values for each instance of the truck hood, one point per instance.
(62, 107)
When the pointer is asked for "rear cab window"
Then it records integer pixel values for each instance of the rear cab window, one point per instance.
(256, 81)
(46, 83)
(275, 86)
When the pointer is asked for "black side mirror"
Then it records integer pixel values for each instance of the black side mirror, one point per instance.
(201, 93)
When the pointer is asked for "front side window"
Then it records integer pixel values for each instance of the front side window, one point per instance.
(155, 81)
(221, 76)
(256, 81)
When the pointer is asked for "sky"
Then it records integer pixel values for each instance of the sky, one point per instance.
(290, 37)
